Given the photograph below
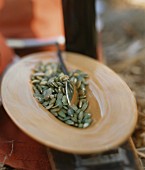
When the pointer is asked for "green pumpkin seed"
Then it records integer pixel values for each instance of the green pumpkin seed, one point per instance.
(87, 115)
(43, 82)
(63, 110)
(78, 111)
(52, 101)
(64, 100)
(74, 107)
(83, 97)
(55, 114)
(39, 74)
(74, 119)
(59, 84)
(85, 105)
(60, 118)
(51, 96)
(85, 125)
(44, 87)
(55, 106)
(49, 107)
(55, 109)
(39, 88)
(59, 96)
(36, 91)
(80, 103)
(64, 78)
(47, 93)
(78, 84)
(88, 121)
(81, 115)
(62, 114)
(59, 103)
(75, 80)
(69, 122)
(45, 103)
(82, 92)
(80, 125)
(70, 112)
(39, 78)
(56, 90)
(55, 84)
(35, 81)
(67, 118)
(65, 107)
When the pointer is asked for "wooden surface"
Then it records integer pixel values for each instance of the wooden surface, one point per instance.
(112, 105)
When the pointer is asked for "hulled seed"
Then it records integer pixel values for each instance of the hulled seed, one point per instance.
(49, 87)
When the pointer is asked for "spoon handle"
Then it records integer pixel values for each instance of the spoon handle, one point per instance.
(59, 54)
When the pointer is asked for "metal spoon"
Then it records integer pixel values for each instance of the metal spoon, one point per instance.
(71, 91)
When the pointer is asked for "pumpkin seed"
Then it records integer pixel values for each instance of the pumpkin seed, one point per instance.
(43, 82)
(88, 121)
(64, 77)
(81, 115)
(74, 107)
(65, 107)
(74, 119)
(80, 103)
(78, 111)
(51, 96)
(86, 125)
(80, 125)
(60, 118)
(59, 84)
(55, 106)
(62, 114)
(35, 81)
(70, 112)
(59, 96)
(55, 114)
(59, 103)
(39, 88)
(36, 91)
(55, 109)
(69, 122)
(39, 74)
(86, 116)
(49, 107)
(85, 105)
(55, 84)
(76, 124)
(78, 84)
(64, 100)
(52, 101)
(45, 103)
(67, 118)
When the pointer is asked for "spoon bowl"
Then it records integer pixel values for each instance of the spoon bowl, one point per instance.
(71, 91)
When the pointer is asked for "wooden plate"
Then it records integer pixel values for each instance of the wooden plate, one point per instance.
(112, 105)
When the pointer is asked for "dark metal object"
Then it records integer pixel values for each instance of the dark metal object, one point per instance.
(122, 158)
(79, 24)
(63, 67)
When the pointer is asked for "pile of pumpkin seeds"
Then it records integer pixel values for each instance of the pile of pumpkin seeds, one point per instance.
(48, 82)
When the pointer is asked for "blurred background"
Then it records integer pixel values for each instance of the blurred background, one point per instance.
(121, 25)
(122, 28)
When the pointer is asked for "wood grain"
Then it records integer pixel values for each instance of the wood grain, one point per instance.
(112, 105)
